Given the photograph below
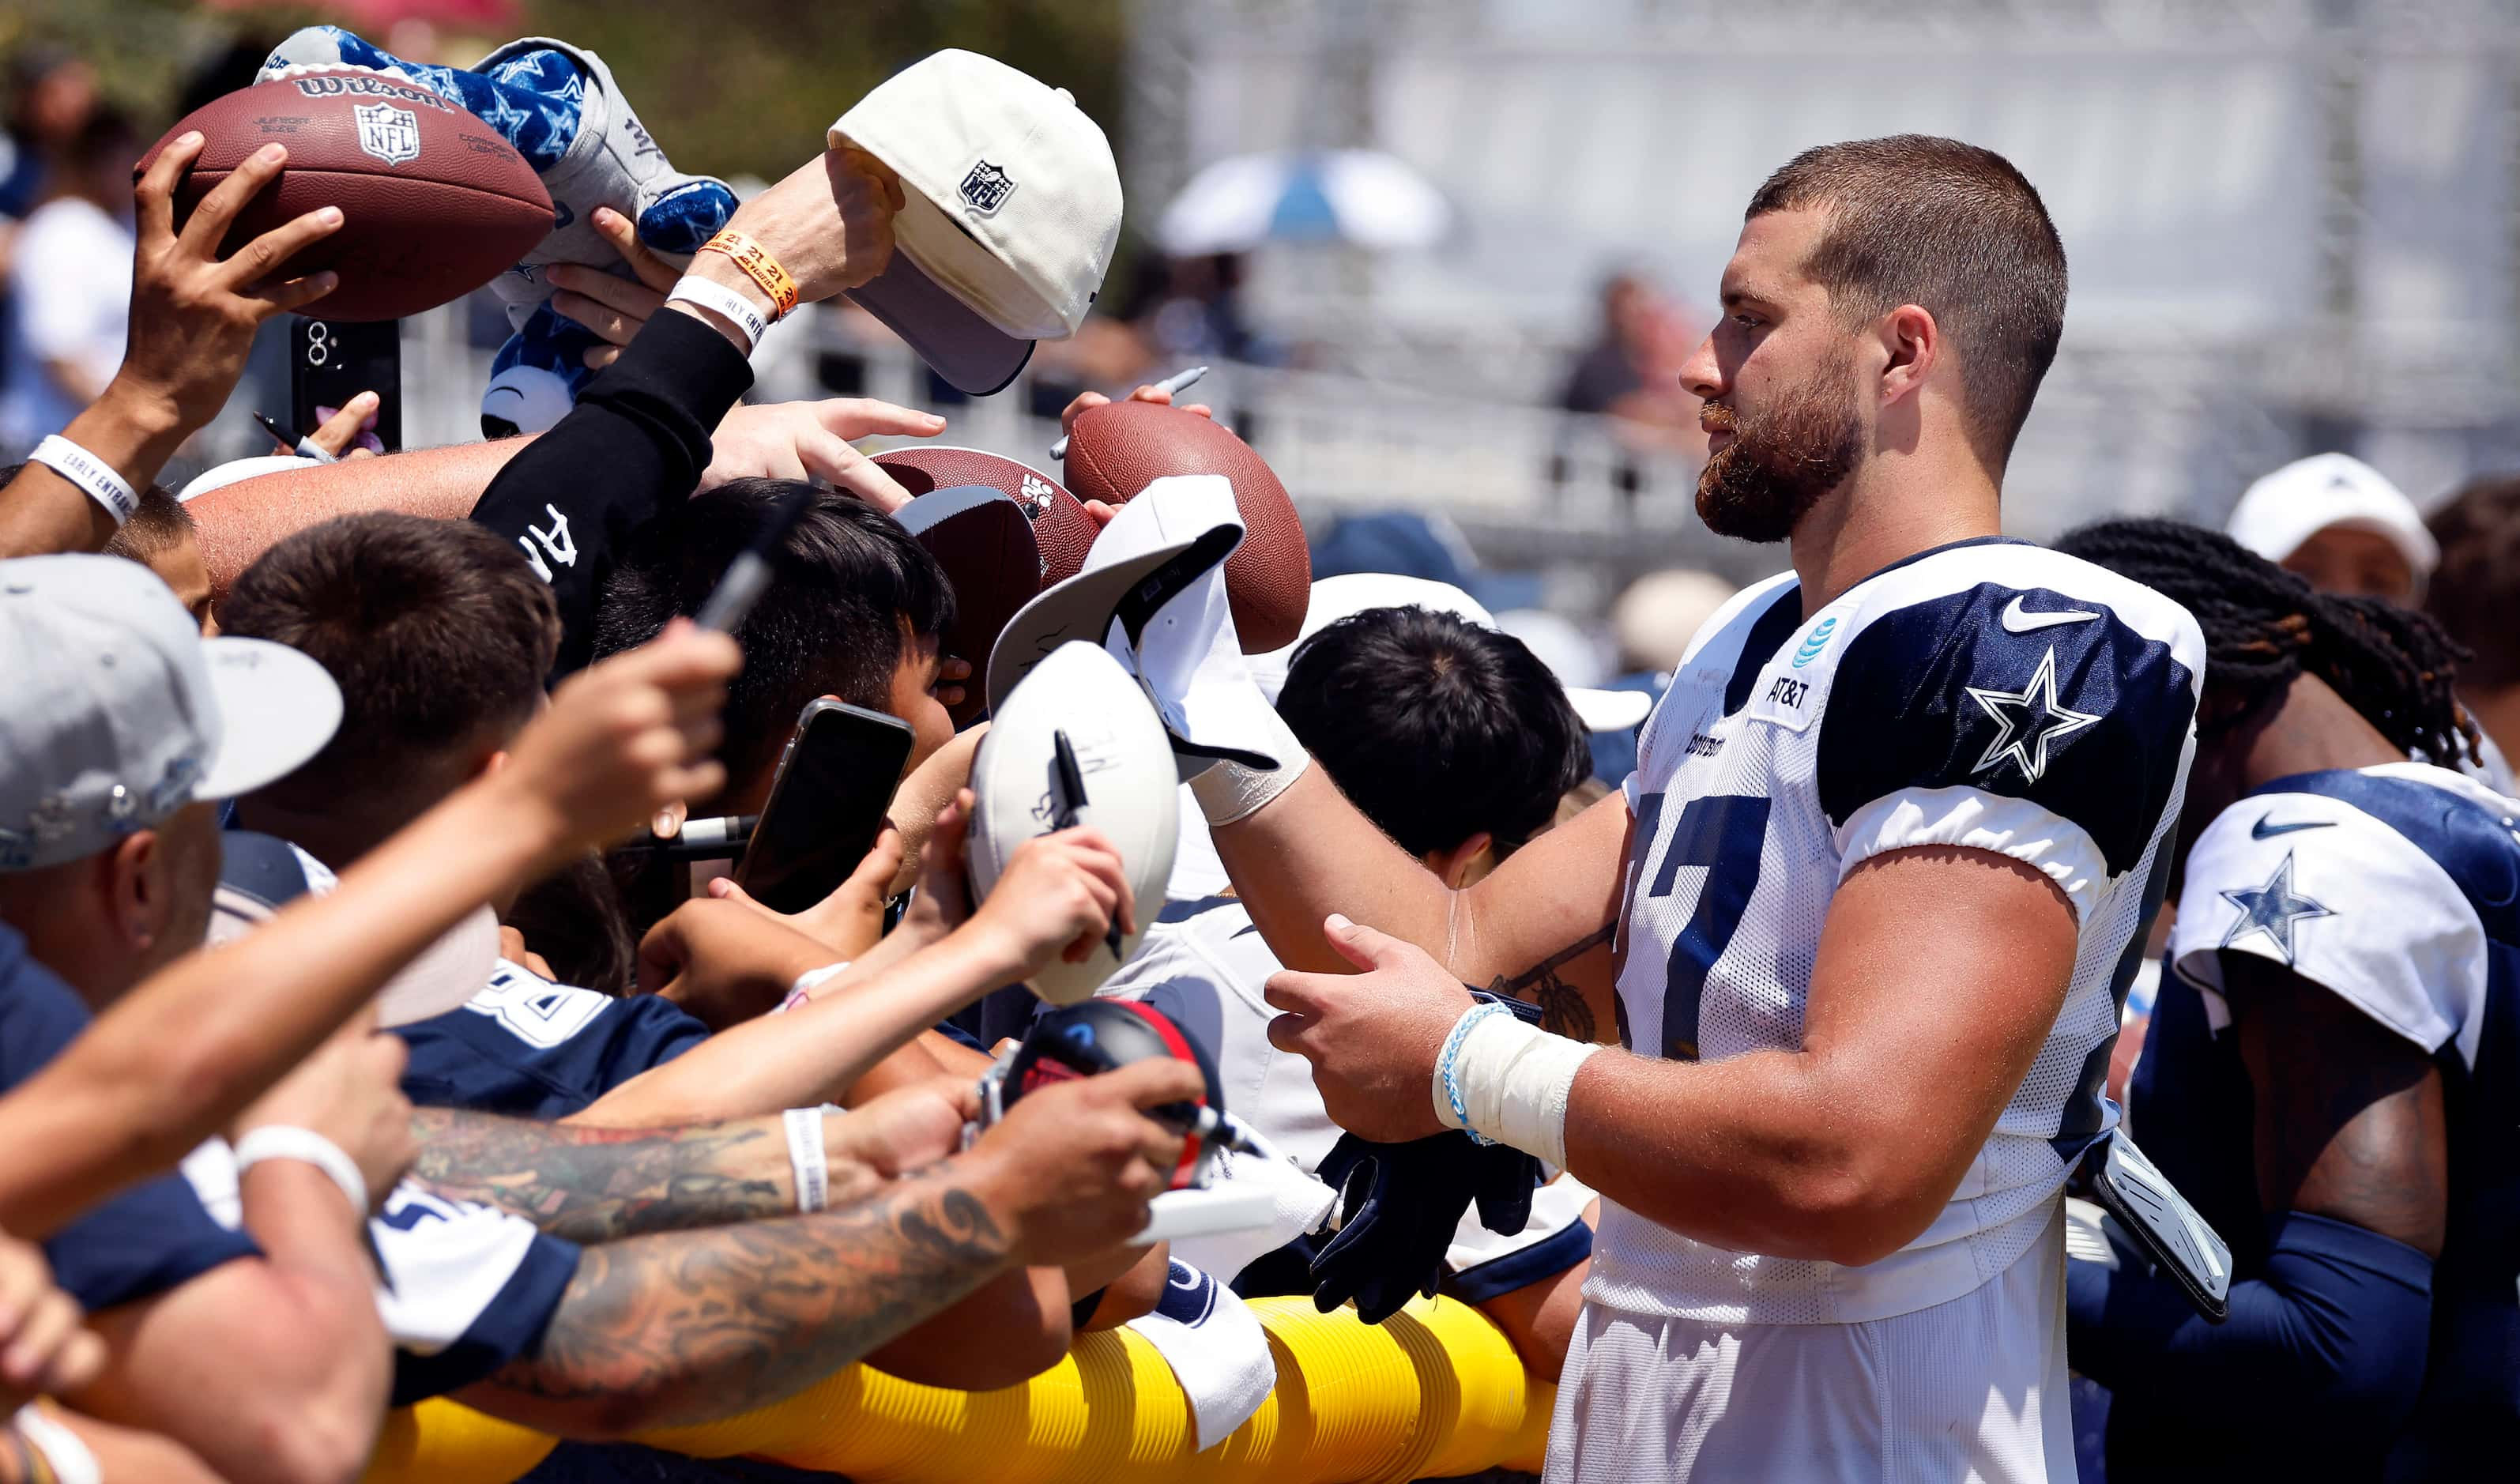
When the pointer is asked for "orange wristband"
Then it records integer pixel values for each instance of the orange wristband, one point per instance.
(757, 265)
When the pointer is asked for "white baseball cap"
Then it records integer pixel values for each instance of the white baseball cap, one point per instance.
(115, 712)
(1012, 207)
(2306, 496)
(1353, 593)
(1152, 593)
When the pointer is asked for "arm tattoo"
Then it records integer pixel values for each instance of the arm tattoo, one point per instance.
(592, 1185)
(1563, 1010)
(689, 1327)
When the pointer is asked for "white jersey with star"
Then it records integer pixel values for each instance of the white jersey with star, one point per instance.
(1993, 695)
(2339, 877)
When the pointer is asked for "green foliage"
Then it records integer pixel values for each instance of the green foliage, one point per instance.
(728, 86)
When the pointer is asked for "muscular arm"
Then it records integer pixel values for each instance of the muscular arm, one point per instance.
(1309, 853)
(683, 1328)
(246, 519)
(1846, 1148)
(274, 1367)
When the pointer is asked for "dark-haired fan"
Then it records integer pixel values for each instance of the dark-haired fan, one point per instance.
(2333, 1071)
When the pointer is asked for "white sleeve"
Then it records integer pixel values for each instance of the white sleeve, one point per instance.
(448, 1262)
(2340, 899)
(2022, 828)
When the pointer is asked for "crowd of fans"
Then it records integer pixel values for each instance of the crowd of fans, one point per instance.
(352, 1059)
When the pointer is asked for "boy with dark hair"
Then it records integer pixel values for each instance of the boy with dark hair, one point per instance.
(854, 613)
(1387, 699)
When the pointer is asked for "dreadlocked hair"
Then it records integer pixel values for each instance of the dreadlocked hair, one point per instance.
(2265, 625)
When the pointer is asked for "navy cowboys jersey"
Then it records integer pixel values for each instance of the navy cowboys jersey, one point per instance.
(2398, 889)
(532, 1049)
(1989, 694)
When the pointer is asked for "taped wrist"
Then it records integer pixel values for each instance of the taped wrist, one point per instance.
(1230, 791)
(1506, 1081)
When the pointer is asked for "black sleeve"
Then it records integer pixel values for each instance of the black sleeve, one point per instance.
(635, 444)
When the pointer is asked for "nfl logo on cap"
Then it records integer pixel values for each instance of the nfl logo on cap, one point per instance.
(986, 188)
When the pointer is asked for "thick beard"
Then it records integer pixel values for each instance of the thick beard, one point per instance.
(1780, 463)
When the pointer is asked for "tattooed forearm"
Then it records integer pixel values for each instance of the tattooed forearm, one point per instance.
(592, 1185)
(1563, 1006)
(689, 1327)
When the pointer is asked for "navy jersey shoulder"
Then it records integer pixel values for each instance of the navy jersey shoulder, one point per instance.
(154, 1234)
(532, 1049)
(2005, 670)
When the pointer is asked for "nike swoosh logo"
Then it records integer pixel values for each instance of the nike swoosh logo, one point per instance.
(2017, 621)
(2266, 829)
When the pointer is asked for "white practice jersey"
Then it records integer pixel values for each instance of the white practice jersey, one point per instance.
(1991, 694)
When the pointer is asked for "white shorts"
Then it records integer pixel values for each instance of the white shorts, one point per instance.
(1972, 1389)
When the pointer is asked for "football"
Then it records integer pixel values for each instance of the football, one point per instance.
(434, 203)
(1125, 764)
(979, 535)
(1060, 524)
(1118, 449)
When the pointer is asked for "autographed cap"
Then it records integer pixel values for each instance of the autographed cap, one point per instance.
(1010, 209)
(1153, 592)
(2308, 495)
(115, 712)
(1344, 597)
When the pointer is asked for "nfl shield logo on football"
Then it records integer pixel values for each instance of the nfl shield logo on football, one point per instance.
(987, 187)
(390, 133)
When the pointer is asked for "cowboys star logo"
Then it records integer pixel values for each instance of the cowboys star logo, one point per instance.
(2026, 721)
(389, 133)
(986, 188)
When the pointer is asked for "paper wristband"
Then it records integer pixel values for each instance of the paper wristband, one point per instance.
(802, 991)
(90, 473)
(276, 1141)
(806, 1158)
(718, 298)
(56, 1447)
(757, 265)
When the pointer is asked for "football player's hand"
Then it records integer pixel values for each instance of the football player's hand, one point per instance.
(848, 921)
(1372, 1036)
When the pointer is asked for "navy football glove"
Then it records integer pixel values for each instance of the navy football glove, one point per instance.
(1400, 1203)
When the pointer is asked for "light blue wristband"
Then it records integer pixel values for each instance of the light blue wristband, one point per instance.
(1445, 1059)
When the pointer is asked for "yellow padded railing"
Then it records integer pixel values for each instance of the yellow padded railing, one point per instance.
(1432, 1392)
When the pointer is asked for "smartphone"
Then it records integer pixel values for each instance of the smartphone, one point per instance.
(331, 361)
(826, 804)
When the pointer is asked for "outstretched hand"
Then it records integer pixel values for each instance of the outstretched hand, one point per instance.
(803, 441)
(192, 312)
(1372, 1036)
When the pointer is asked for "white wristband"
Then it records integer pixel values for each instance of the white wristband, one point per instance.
(279, 1141)
(802, 991)
(718, 298)
(1511, 1080)
(1228, 792)
(71, 1460)
(89, 473)
(805, 1157)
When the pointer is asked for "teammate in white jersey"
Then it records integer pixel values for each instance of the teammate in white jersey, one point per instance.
(2334, 1068)
(1893, 833)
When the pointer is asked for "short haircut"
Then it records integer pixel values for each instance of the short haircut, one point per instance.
(1954, 230)
(1437, 728)
(159, 523)
(853, 590)
(437, 632)
(2476, 585)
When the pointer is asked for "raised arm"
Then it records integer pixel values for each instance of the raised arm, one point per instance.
(127, 1097)
(193, 318)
